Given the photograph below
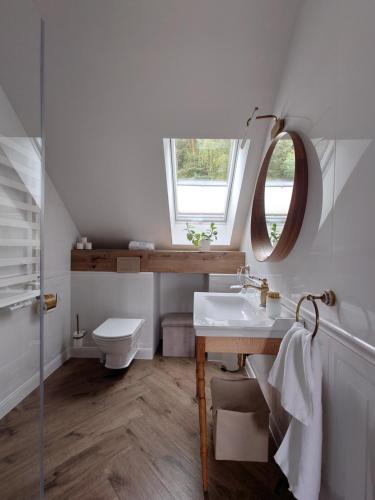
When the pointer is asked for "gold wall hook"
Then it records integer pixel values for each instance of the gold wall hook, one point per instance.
(278, 126)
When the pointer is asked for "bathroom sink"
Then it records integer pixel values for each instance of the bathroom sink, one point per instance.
(237, 315)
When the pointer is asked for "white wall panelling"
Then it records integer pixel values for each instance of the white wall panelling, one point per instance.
(348, 407)
(349, 413)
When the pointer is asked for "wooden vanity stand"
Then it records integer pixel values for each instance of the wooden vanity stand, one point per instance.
(240, 345)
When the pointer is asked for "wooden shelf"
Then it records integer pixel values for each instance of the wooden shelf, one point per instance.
(160, 261)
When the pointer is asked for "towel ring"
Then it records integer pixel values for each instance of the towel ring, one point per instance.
(328, 298)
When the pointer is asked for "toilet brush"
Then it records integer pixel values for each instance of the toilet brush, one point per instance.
(78, 335)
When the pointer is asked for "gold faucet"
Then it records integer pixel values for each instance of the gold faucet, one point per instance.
(248, 282)
(262, 287)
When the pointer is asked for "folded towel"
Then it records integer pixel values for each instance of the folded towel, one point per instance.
(300, 453)
(141, 245)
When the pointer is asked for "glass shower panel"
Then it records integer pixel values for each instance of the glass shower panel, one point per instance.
(21, 210)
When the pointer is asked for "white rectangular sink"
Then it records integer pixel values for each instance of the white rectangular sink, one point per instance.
(237, 315)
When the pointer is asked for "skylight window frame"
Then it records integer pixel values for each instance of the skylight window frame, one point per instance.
(212, 217)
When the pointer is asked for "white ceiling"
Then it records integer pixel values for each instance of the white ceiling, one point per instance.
(123, 74)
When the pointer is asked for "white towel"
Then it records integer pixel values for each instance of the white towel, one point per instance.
(276, 376)
(300, 453)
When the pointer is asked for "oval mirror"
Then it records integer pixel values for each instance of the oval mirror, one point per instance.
(280, 198)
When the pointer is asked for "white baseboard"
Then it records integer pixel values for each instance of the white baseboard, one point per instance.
(32, 383)
(50, 367)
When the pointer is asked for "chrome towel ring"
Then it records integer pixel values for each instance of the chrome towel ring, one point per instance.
(328, 298)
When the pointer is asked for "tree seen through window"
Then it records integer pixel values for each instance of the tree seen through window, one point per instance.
(203, 159)
(282, 162)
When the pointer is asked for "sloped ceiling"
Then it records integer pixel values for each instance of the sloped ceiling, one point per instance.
(123, 74)
(19, 62)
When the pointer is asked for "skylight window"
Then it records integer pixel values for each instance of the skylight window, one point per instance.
(202, 176)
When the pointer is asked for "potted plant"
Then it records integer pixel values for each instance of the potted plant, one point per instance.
(201, 239)
(274, 234)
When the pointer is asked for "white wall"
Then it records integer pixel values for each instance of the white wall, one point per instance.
(327, 94)
(121, 75)
(19, 360)
(177, 291)
(60, 235)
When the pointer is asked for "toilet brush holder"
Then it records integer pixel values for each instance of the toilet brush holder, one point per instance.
(78, 338)
(78, 335)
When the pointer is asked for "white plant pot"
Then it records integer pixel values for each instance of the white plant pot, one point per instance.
(205, 245)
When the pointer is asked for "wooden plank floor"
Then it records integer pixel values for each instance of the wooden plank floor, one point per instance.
(113, 435)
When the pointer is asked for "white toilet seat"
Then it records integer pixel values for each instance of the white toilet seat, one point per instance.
(117, 328)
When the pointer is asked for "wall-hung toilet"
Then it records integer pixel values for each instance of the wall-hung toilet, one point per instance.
(117, 338)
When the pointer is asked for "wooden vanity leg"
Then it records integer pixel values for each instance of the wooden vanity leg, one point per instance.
(201, 359)
(196, 367)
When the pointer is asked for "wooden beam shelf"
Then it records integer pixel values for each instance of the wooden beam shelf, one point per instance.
(159, 261)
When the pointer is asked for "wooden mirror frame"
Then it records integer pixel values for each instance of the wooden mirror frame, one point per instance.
(262, 247)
